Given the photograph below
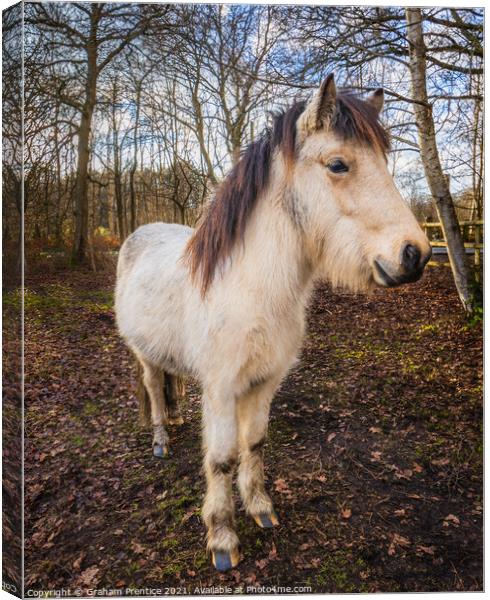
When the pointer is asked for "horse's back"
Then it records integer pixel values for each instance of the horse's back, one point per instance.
(168, 239)
(152, 285)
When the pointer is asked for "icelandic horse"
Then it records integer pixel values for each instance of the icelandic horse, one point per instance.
(312, 199)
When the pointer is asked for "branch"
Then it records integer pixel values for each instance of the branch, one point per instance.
(455, 68)
(129, 38)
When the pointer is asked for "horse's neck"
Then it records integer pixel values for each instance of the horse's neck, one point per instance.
(275, 258)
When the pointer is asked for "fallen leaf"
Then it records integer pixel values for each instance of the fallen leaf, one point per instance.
(89, 577)
(251, 578)
(273, 552)
(78, 562)
(400, 540)
(441, 462)
(451, 519)
(306, 545)
(405, 474)
(137, 548)
(188, 515)
(282, 486)
(346, 513)
(397, 540)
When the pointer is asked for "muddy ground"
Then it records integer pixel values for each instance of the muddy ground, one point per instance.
(374, 455)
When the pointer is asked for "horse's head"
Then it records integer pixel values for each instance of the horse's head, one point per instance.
(354, 219)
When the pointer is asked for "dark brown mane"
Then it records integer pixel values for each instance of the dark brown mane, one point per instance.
(228, 214)
(357, 119)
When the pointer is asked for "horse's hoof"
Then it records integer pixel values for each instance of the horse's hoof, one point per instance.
(266, 520)
(223, 561)
(178, 420)
(161, 451)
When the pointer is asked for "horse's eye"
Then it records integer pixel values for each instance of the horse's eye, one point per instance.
(337, 166)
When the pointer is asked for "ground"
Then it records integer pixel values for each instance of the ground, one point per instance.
(373, 460)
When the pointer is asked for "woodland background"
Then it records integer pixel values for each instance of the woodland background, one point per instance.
(132, 113)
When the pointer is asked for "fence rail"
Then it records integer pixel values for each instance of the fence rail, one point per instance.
(472, 232)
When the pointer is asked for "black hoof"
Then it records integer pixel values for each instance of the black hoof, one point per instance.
(224, 561)
(266, 521)
(160, 451)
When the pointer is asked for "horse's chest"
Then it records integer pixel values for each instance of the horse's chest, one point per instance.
(272, 347)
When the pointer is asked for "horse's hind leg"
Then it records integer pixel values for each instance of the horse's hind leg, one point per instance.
(221, 452)
(174, 391)
(253, 418)
(153, 382)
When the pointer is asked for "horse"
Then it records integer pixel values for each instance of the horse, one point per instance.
(311, 199)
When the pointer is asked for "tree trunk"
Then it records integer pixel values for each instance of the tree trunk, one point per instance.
(121, 223)
(438, 184)
(104, 208)
(58, 177)
(118, 193)
(20, 262)
(182, 214)
(134, 165)
(79, 251)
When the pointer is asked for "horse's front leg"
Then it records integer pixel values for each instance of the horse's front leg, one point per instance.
(221, 453)
(153, 382)
(253, 419)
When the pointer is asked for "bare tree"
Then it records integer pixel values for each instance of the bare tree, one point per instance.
(93, 35)
(438, 182)
(152, 122)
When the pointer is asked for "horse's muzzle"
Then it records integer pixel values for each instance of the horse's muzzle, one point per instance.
(412, 267)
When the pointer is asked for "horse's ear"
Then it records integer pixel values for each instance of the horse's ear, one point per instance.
(377, 99)
(320, 109)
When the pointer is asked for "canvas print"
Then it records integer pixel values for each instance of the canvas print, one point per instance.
(243, 253)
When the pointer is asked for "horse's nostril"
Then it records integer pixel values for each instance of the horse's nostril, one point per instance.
(410, 258)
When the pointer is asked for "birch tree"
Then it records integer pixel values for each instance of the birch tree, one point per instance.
(437, 181)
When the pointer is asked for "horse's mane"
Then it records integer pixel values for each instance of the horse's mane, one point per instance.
(227, 215)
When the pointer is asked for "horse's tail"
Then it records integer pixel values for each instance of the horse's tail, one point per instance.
(143, 398)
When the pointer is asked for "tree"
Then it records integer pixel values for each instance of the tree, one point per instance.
(194, 85)
(93, 35)
(438, 182)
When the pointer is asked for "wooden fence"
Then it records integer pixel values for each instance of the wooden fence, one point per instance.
(472, 232)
